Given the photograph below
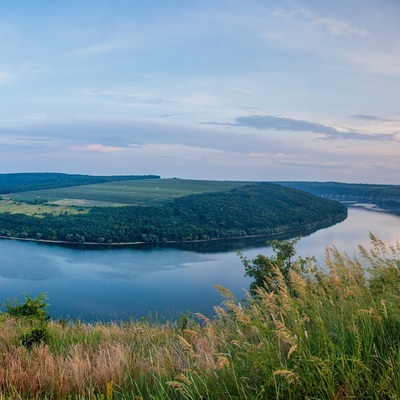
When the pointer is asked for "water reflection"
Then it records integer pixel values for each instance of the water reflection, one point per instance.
(131, 282)
(27, 264)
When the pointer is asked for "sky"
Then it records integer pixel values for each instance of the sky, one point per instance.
(205, 89)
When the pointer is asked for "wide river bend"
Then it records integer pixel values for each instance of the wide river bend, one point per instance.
(122, 283)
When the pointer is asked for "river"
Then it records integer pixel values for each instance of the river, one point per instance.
(158, 281)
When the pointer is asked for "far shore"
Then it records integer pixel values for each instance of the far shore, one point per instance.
(125, 244)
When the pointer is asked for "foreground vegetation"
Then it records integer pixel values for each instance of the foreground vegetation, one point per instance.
(309, 333)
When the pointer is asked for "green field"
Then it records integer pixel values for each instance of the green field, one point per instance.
(36, 210)
(130, 192)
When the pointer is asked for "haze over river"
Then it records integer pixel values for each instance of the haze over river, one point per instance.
(120, 283)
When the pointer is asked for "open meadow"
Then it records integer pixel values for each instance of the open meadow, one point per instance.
(161, 211)
(8, 205)
(130, 192)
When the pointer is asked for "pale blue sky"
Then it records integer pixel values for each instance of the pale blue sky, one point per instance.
(206, 89)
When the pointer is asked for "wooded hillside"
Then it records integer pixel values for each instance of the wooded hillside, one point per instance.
(384, 196)
(259, 209)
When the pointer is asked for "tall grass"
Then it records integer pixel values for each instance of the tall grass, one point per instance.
(330, 333)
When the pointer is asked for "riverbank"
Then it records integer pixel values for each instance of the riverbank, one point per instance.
(343, 346)
(251, 210)
(281, 233)
(108, 284)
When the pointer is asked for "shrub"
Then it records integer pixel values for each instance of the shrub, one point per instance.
(33, 312)
(35, 336)
(31, 308)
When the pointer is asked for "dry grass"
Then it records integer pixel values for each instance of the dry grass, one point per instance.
(327, 335)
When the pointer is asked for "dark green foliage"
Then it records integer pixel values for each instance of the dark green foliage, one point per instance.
(384, 196)
(264, 269)
(31, 308)
(251, 210)
(19, 182)
(33, 312)
(35, 336)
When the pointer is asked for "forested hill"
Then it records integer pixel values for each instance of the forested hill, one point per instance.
(21, 182)
(258, 209)
(385, 196)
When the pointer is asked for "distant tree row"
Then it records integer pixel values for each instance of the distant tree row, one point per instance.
(21, 182)
(385, 196)
(245, 211)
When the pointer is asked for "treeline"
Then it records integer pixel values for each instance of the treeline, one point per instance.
(385, 196)
(259, 209)
(21, 182)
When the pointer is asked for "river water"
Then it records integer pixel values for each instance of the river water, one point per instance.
(123, 283)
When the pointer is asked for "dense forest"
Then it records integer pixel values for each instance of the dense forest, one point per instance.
(384, 196)
(258, 209)
(21, 182)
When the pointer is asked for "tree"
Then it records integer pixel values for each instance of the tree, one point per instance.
(262, 270)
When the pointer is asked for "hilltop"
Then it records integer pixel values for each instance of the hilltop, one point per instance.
(141, 209)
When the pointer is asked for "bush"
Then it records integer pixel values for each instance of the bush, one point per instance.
(33, 311)
(31, 308)
(35, 336)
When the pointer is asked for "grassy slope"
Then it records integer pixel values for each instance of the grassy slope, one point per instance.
(329, 334)
(15, 207)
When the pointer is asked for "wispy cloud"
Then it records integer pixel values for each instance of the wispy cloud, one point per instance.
(94, 49)
(6, 76)
(279, 123)
(319, 166)
(334, 27)
(375, 118)
(364, 117)
(130, 95)
(122, 85)
(97, 148)
(361, 42)
(110, 136)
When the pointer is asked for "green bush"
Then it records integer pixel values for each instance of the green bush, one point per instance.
(31, 308)
(35, 336)
(33, 312)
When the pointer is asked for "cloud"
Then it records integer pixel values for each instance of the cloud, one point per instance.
(170, 149)
(98, 148)
(94, 49)
(333, 26)
(6, 76)
(110, 136)
(278, 123)
(369, 43)
(365, 117)
(319, 166)
(130, 95)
